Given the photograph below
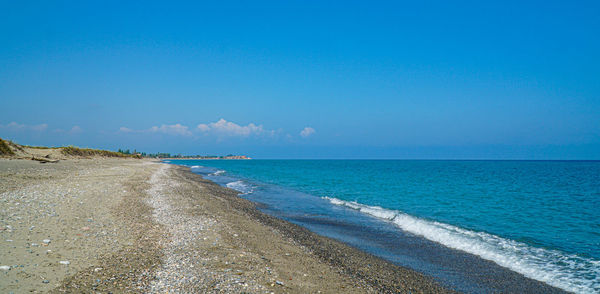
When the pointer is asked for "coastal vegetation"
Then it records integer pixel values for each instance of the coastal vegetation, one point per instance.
(5, 149)
(10, 149)
(75, 151)
(53, 154)
(179, 156)
(38, 147)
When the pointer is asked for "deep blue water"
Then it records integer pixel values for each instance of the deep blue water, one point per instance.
(538, 218)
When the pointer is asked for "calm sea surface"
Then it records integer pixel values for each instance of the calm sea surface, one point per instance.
(538, 218)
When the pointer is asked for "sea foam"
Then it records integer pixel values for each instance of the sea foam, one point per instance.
(240, 186)
(562, 270)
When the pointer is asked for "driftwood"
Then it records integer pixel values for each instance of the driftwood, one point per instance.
(44, 160)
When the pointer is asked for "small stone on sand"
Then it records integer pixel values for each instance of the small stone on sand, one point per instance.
(65, 262)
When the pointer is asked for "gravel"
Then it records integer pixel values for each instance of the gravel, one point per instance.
(136, 226)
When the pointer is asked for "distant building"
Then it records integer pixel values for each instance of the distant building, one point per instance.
(236, 157)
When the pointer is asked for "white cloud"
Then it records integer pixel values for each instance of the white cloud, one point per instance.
(75, 130)
(203, 128)
(220, 129)
(125, 130)
(39, 128)
(306, 132)
(13, 126)
(176, 129)
(227, 128)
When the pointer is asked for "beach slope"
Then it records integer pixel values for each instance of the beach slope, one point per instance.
(127, 225)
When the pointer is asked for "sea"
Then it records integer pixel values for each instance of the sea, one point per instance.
(465, 223)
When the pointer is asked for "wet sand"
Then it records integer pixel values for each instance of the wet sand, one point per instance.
(126, 225)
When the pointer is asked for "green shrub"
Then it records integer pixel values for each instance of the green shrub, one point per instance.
(75, 151)
(5, 149)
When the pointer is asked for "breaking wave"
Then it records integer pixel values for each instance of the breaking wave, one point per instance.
(240, 186)
(562, 270)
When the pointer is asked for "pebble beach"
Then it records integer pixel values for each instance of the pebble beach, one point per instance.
(140, 226)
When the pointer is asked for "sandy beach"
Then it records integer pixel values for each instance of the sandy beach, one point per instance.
(131, 225)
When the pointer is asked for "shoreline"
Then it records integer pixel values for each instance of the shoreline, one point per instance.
(381, 275)
(141, 226)
(461, 271)
(137, 226)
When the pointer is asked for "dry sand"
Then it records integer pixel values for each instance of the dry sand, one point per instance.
(126, 225)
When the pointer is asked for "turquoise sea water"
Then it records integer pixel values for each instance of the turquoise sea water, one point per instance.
(538, 218)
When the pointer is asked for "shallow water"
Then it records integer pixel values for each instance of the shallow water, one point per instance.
(537, 218)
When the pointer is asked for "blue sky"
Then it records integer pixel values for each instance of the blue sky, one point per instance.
(305, 79)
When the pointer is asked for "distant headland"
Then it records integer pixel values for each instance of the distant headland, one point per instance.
(179, 156)
(10, 149)
(230, 156)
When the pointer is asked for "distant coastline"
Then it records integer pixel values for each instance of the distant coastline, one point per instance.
(10, 149)
(227, 157)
